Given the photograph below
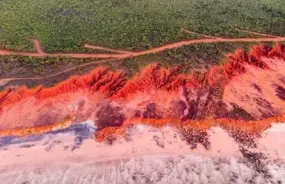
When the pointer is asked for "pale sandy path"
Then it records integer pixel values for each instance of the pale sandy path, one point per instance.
(37, 46)
(256, 33)
(192, 32)
(107, 49)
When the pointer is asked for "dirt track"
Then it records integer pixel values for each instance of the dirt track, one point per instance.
(256, 33)
(125, 55)
(122, 54)
(7, 80)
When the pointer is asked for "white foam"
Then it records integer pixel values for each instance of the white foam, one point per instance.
(151, 155)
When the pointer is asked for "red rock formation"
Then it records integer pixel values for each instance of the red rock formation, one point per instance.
(277, 51)
(153, 77)
(100, 80)
(249, 127)
(196, 96)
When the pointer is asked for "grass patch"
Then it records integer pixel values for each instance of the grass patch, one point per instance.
(198, 56)
(131, 24)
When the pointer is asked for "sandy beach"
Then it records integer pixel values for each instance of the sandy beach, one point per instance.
(67, 157)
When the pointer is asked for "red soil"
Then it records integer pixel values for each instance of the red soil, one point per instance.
(122, 54)
(127, 54)
(248, 87)
(152, 77)
(251, 127)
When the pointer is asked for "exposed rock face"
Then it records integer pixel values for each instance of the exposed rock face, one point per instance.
(249, 86)
(226, 109)
(109, 116)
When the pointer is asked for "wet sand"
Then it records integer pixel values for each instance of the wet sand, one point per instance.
(58, 158)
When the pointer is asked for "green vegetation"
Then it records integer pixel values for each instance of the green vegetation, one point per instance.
(199, 56)
(131, 24)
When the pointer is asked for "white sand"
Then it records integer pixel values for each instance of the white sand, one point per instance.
(140, 160)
